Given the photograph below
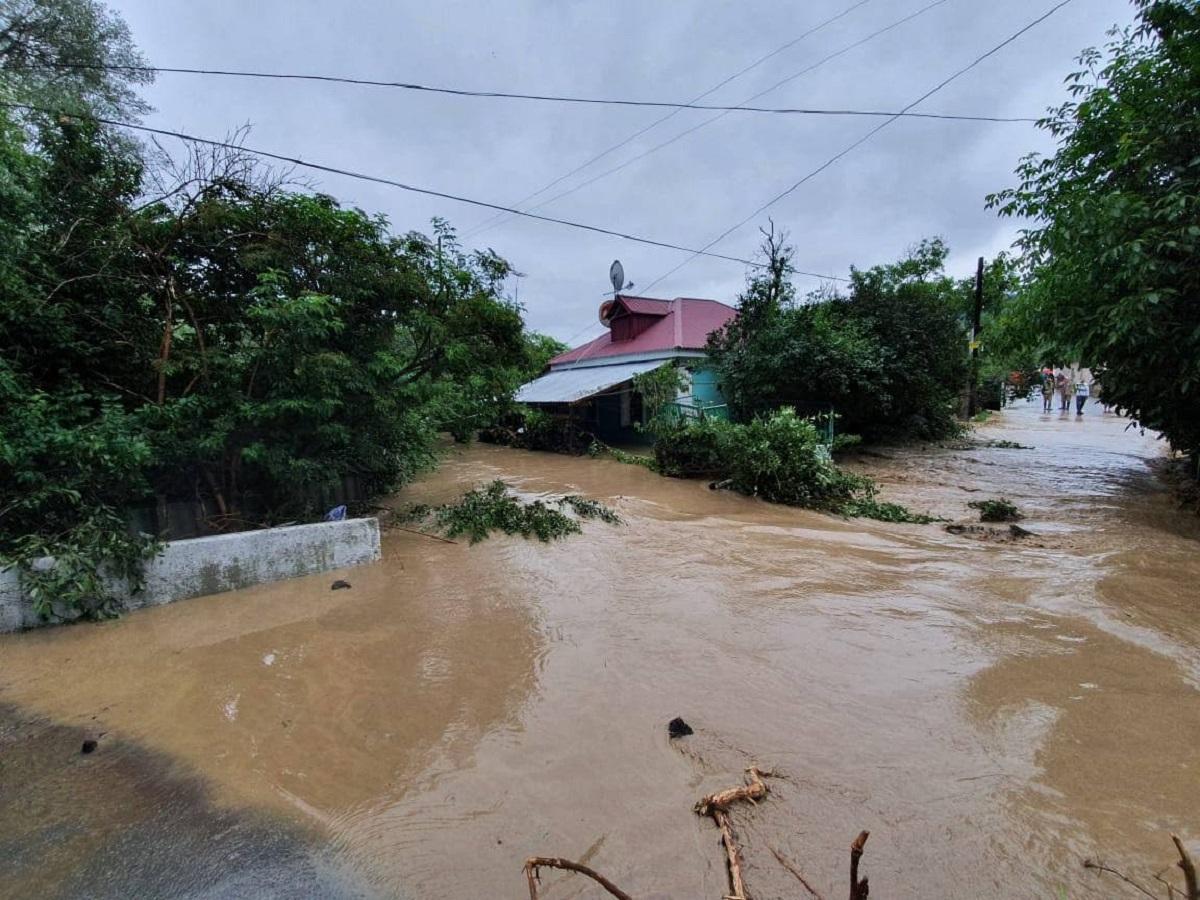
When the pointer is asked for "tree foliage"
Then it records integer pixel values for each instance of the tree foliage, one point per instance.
(207, 333)
(1111, 257)
(889, 356)
(494, 508)
(39, 38)
(781, 457)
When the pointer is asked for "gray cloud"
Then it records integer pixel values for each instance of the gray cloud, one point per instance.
(916, 178)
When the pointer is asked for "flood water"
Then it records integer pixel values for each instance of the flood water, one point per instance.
(993, 711)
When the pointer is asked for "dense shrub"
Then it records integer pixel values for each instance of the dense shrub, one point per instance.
(782, 458)
(692, 450)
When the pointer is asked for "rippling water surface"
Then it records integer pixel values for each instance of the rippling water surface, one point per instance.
(992, 711)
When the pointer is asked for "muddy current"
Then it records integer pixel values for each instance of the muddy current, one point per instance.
(993, 709)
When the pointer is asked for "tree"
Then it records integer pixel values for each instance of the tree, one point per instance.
(889, 357)
(209, 334)
(911, 311)
(1112, 255)
(39, 39)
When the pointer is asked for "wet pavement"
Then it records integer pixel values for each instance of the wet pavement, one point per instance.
(993, 711)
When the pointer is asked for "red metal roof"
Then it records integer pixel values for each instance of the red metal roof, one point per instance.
(646, 305)
(686, 326)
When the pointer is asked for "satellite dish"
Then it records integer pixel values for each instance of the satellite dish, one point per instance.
(616, 275)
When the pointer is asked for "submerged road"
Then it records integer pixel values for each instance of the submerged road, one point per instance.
(992, 709)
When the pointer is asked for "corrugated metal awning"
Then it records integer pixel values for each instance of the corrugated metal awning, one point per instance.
(570, 384)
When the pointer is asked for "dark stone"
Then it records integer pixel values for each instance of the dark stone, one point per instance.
(678, 728)
(340, 585)
(88, 746)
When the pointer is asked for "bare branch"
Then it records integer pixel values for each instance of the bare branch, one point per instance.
(556, 862)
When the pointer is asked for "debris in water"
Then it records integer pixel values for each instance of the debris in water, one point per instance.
(88, 746)
(717, 806)
(557, 862)
(998, 509)
(859, 889)
(678, 728)
(339, 585)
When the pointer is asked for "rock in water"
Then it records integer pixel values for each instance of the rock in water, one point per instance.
(340, 585)
(678, 728)
(88, 746)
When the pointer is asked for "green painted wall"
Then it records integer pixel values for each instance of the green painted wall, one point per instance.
(704, 386)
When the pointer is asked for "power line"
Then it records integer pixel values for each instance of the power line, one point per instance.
(362, 176)
(554, 98)
(704, 124)
(862, 140)
(638, 133)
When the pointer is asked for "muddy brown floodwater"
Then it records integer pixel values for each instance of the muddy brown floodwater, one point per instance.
(992, 711)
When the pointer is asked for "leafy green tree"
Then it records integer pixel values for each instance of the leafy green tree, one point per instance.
(910, 311)
(889, 357)
(37, 37)
(210, 335)
(1112, 252)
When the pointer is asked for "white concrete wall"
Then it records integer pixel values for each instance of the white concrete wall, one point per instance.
(225, 562)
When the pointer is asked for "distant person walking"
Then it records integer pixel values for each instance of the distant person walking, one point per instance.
(1082, 391)
(1063, 385)
(1047, 391)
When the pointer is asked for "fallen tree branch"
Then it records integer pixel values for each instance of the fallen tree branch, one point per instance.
(717, 806)
(733, 852)
(799, 876)
(556, 862)
(1101, 867)
(1191, 889)
(1189, 870)
(754, 791)
(858, 889)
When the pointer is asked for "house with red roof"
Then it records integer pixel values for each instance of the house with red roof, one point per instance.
(594, 381)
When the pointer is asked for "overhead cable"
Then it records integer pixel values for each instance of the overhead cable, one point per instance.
(709, 121)
(362, 176)
(554, 98)
(862, 140)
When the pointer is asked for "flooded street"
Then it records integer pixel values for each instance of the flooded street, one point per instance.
(993, 711)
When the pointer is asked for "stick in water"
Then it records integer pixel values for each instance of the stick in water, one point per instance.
(557, 862)
(859, 890)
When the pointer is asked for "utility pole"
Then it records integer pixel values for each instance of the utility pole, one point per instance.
(975, 326)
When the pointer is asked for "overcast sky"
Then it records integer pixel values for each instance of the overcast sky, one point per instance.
(916, 178)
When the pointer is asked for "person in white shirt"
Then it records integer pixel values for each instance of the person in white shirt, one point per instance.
(1082, 391)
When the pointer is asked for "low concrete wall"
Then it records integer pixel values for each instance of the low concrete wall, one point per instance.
(225, 562)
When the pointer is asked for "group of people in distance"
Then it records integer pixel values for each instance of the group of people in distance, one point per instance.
(1062, 383)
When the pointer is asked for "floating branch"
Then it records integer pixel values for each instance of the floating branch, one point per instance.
(717, 806)
(557, 862)
(796, 873)
(858, 889)
(1189, 869)
(753, 791)
(1191, 888)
